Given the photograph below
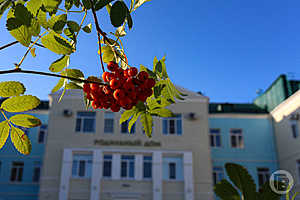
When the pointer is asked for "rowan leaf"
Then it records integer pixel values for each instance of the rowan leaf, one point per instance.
(11, 88)
(129, 20)
(107, 54)
(25, 120)
(118, 13)
(56, 43)
(42, 19)
(133, 120)
(59, 85)
(126, 115)
(226, 191)
(87, 4)
(74, 73)
(74, 26)
(20, 103)
(101, 3)
(60, 64)
(73, 85)
(57, 22)
(68, 4)
(33, 6)
(4, 132)
(146, 120)
(3, 6)
(51, 5)
(162, 112)
(35, 28)
(20, 140)
(87, 28)
(138, 3)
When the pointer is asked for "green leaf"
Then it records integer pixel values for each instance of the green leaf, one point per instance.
(11, 88)
(74, 73)
(4, 132)
(70, 34)
(20, 140)
(73, 85)
(22, 14)
(33, 6)
(51, 5)
(59, 85)
(146, 120)
(68, 4)
(242, 180)
(118, 13)
(133, 120)
(267, 193)
(101, 3)
(87, 4)
(226, 191)
(108, 8)
(3, 6)
(162, 112)
(138, 3)
(87, 28)
(32, 51)
(35, 28)
(56, 43)
(73, 26)
(172, 90)
(76, 3)
(151, 73)
(57, 22)
(126, 115)
(20, 103)
(107, 54)
(24, 120)
(120, 32)
(129, 20)
(63, 92)
(60, 64)
(42, 19)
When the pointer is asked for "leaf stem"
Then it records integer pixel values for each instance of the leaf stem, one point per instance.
(85, 14)
(19, 70)
(29, 48)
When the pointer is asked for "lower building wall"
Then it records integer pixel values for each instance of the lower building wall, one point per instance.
(173, 190)
(79, 189)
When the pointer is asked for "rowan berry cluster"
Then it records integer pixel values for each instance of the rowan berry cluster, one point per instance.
(122, 88)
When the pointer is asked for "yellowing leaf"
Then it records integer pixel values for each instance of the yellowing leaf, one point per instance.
(11, 88)
(4, 132)
(25, 120)
(108, 54)
(146, 120)
(20, 140)
(32, 51)
(60, 64)
(20, 103)
(59, 84)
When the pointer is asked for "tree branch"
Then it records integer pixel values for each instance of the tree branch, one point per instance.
(19, 70)
(8, 45)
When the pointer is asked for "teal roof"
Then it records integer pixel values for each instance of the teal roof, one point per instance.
(236, 108)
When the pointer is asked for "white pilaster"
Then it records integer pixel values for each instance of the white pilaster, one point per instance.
(188, 176)
(96, 174)
(65, 174)
(157, 175)
(138, 175)
(116, 166)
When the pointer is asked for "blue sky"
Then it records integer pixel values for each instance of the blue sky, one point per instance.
(226, 49)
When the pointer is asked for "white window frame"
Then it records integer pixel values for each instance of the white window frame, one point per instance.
(265, 173)
(214, 137)
(109, 116)
(86, 160)
(217, 173)
(168, 119)
(127, 161)
(237, 135)
(45, 133)
(82, 122)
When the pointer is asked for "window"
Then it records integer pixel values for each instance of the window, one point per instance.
(172, 125)
(298, 168)
(82, 166)
(36, 172)
(294, 127)
(107, 165)
(0, 167)
(124, 128)
(127, 166)
(218, 174)
(215, 137)
(236, 137)
(85, 122)
(42, 133)
(108, 122)
(147, 166)
(263, 176)
(172, 168)
(16, 173)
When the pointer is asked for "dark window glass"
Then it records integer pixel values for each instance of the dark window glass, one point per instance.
(124, 128)
(81, 167)
(147, 167)
(172, 126)
(36, 174)
(123, 169)
(107, 166)
(85, 122)
(233, 141)
(172, 170)
(218, 141)
(295, 130)
(17, 171)
(78, 125)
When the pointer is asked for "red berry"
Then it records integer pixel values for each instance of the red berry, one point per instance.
(115, 108)
(129, 87)
(125, 102)
(114, 84)
(150, 83)
(125, 73)
(94, 86)
(110, 76)
(106, 89)
(104, 76)
(112, 66)
(142, 76)
(119, 94)
(86, 87)
(148, 92)
(142, 97)
(132, 71)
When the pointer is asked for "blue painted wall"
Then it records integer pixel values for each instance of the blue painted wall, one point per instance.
(27, 189)
(259, 144)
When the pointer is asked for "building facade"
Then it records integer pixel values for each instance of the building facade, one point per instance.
(90, 156)
(19, 174)
(242, 134)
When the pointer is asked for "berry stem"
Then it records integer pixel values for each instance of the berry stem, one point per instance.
(19, 70)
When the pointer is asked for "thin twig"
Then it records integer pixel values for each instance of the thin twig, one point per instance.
(85, 14)
(8, 45)
(19, 70)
